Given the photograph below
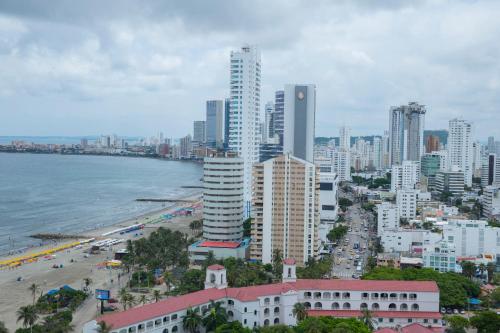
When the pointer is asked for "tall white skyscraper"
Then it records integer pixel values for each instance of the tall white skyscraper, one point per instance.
(405, 176)
(215, 123)
(244, 123)
(406, 132)
(345, 138)
(300, 109)
(199, 131)
(378, 153)
(460, 147)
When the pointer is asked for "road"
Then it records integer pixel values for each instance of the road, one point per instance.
(361, 231)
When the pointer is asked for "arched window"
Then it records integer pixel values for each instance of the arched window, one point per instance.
(414, 307)
(307, 305)
(317, 295)
(375, 306)
(336, 295)
(266, 312)
(267, 301)
(403, 307)
(175, 329)
(230, 314)
(276, 300)
(174, 317)
(165, 330)
(335, 306)
(393, 296)
(403, 296)
(327, 295)
(346, 295)
(392, 306)
(346, 306)
(289, 272)
(276, 320)
(364, 295)
(131, 329)
(277, 310)
(212, 280)
(413, 296)
(166, 319)
(384, 295)
(363, 306)
(266, 322)
(318, 306)
(307, 294)
(230, 302)
(375, 295)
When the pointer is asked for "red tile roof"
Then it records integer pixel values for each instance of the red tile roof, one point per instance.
(215, 267)
(376, 314)
(289, 261)
(229, 245)
(174, 304)
(154, 310)
(385, 330)
(416, 328)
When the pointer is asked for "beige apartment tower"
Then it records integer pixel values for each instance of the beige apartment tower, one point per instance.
(285, 209)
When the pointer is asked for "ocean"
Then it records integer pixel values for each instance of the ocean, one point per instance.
(50, 193)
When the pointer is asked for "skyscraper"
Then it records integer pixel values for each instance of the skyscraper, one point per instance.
(268, 122)
(227, 109)
(345, 138)
(406, 132)
(300, 109)
(278, 115)
(432, 144)
(199, 131)
(460, 148)
(490, 172)
(244, 123)
(215, 123)
(286, 209)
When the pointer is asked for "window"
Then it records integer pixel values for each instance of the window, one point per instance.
(392, 306)
(277, 310)
(375, 306)
(266, 301)
(326, 186)
(335, 306)
(307, 305)
(266, 322)
(346, 295)
(391, 320)
(276, 320)
(317, 295)
(230, 314)
(175, 329)
(410, 320)
(403, 307)
(318, 306)
(174, 317)
(327, 207)
(266, 312)
(346, 306)
(380, 320)
(414, 307)
(363, 306)
(246, 309)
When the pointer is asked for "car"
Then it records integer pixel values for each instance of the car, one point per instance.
(462, 311)
(449, 311)
(443, 310)
(348, 267)
(112, 300)
(455, 311)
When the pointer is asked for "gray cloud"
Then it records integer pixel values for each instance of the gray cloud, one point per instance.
(137, 67)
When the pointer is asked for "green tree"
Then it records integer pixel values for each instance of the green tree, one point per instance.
(367, 318)
(214, 317)
(156, 295)
(130, 300)
(371, 263)
(34, 289)
(168, 279)
(299, 311)
(233, 327)
(247, 228)
(103, 327)
(143, 299)
(191, 321)
(486, 322)
(495, 297)
(3, 329)
(277, 263)
(468, 269)
(28, 315)
(490, 269)
(457, 322)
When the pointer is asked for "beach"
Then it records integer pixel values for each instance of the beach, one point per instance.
(15, 294)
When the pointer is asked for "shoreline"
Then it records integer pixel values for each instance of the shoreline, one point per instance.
(97, 231)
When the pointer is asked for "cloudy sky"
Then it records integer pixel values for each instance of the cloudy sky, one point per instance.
(139, 67)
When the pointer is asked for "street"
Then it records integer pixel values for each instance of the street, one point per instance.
(352, 252)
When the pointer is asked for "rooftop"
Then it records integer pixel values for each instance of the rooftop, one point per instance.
(229, 245)
(376, 314)
(215, 267)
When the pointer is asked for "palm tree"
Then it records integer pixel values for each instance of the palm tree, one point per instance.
(143, 299)
(3, 329)
(34, 288)
(482, 269)
(123, 294)
(156, 295)
(490, 268)
(28, 315)
(102, 327)
(299, 311)
(168, 279)
(215, 316)
(468, 269)
(367, 318)
(130, 300)
(191, 321)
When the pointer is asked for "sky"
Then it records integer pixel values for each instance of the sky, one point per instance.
(139, 67)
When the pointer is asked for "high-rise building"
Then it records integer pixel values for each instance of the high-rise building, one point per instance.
(215, 123)
(405, 176)
(300, 109)
(491, 201)
(387, 217)
(244, 131)
(406, 132)
(378, 153)
(285, 209)
(477, 159)
(199, 132)
(460, 147)
(227, 109)
(222, 198)
(345, 138)
(185, 147)
(430, 165)
(491, 144)
(269, 150)
(342, 165)
(278, 115)
(268, 122)
(432, 144)
(406, 200)
(490, 171)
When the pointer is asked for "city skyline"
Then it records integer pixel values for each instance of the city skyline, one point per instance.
(154, 70)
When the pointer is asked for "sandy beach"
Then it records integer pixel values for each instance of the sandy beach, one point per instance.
(15, 294)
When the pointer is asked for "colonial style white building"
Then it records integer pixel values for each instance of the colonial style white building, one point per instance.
(393, 303)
